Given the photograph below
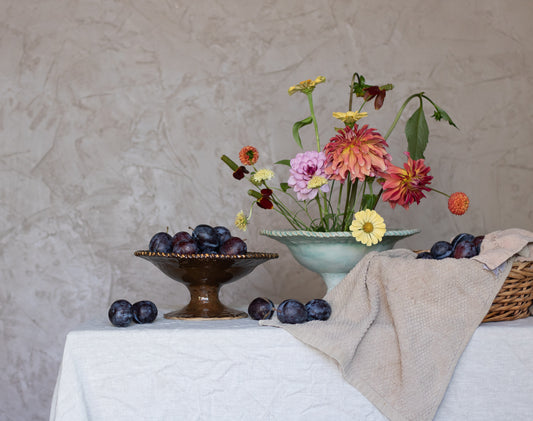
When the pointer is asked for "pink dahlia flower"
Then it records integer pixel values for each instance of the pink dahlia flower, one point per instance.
(304, 167)
(357, 152)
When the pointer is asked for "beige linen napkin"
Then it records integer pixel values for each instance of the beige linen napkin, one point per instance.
(399, 325)
(498, 246)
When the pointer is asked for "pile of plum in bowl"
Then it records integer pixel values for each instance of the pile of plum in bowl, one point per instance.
(203, 260)
(463, 246)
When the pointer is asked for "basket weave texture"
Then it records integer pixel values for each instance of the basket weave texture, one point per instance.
(516, 295)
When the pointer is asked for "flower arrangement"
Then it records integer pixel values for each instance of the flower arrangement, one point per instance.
(336, 187)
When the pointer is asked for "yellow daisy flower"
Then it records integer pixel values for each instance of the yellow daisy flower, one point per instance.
(368, 227)
(350, 117)
(262, 175)
(241, 221)
(306, 86)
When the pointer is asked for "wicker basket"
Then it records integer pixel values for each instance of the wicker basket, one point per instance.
(515, 296)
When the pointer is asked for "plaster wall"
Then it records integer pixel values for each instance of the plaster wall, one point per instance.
(114, 115)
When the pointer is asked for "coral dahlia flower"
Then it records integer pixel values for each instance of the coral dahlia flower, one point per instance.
(357, 152)
(403, 186)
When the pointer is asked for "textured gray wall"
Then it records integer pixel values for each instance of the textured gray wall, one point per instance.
(113, 116)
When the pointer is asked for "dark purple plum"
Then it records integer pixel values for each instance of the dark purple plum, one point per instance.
(144, 312)
(161, 242)
(461, 237)
(206, 237)
(233, 246)
(120, 313)
(209, 250)
(424, 255)
(465, 250)
(292, 312)
(318, 309)
(477, 242)
(181, 236)
(261, 308)
(185, 247)
(223, 234)
(441, 250)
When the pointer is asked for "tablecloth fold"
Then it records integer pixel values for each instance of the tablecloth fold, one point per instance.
(400, 324)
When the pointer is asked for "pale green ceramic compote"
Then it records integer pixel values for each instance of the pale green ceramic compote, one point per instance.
(332, 254)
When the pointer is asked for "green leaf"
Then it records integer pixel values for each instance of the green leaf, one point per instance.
(284, 186)
(369, 201)
(440, 114)
(417, 133)
(297, 126)
(283, 162)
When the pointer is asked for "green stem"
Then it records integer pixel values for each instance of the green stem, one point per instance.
(379, 197)
(428, 99)
(363, 194)
(438, 191)
(399, 114)
(351, 209)
(320, 211)
(315, 124)
(325, 208)
(351, 91)
(346, 203)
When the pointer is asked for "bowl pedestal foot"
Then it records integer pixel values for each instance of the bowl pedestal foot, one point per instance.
(205, 305)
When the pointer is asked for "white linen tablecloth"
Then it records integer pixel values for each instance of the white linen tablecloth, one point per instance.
(238, 370)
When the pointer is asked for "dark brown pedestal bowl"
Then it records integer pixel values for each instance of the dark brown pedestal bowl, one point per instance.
(204, 275)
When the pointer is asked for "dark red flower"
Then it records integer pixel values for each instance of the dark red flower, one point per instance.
(265, 203)
(375, 92)
(239, 172)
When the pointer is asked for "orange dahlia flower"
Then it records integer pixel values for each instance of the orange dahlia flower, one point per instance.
(357, 152)
(248, 155)
(403, 186)
(458, 203)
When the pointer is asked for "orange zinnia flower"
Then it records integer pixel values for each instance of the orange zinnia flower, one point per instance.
(403, 186)
(358, 152)
(458, 203)
(248, 155)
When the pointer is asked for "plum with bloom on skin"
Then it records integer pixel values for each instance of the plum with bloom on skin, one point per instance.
(404, 186)
(304, 167)
(356, 153)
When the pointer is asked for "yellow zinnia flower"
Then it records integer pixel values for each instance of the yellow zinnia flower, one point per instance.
(368, 227)
(262, 175)
(350, 117)
(306, 86)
